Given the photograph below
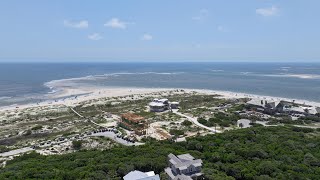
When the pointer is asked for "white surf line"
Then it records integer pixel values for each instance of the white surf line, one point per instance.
(195, 121)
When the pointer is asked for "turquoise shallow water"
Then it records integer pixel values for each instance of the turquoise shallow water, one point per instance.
(24, 83)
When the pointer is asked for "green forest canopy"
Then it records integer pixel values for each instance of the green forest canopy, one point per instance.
(252, 153)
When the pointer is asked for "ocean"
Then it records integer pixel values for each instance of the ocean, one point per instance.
(22, 83)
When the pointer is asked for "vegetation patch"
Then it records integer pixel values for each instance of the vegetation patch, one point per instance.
(251, 153)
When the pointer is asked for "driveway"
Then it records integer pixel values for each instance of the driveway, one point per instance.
(195, 121)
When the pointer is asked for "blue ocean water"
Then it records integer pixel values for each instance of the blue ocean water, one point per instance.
(30, 82)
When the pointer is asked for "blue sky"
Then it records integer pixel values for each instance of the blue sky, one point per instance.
(166, 30)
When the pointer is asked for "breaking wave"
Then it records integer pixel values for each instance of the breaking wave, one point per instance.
(217, 70)
(54, 85)
(299, 76)
(4, 97)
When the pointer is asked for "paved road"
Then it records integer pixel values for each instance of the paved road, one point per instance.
(16, 152)
(113, 136)
(195, 121)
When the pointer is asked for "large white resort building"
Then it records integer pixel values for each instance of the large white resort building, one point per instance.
(160, 105)
(281, 106)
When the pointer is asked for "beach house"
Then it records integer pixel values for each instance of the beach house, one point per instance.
(134, 123)
(159, 105)
(265, 106)
(174, 105)
(183, 167)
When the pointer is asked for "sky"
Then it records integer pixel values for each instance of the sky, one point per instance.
(166, 30)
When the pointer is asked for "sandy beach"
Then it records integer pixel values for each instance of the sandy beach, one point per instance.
(73, 96)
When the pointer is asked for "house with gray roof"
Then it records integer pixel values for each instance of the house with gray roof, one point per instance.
(266, 106)
(183, 167)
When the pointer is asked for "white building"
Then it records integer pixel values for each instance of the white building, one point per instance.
(138, 175)
(174, 105)
(265, 105)
(159, 105)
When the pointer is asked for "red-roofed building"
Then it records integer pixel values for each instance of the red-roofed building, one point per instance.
(134, 123)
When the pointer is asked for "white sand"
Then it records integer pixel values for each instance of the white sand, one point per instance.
(103, 92)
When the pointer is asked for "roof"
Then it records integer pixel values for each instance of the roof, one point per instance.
(150, 173)
(297, 109)
(133, 175)
(185, 157)
(313, 110)
(138, 175)
(155, 177)
(160, 100)
(257, 102)
(156, 104)
(183, 161)
(169, 172)
(174, 159)
(182, 177)
(132, 117)
(163, 100)
(277, 103)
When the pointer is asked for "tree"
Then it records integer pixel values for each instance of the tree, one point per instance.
(28, 132)
(252, 153)
(241, 125)
(76, 145)
(38, 127)
(266, 168)
(202, 121)
(3, 149)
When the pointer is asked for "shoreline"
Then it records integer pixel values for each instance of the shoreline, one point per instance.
(73, 96)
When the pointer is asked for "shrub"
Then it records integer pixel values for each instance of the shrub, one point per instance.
(76, 145)
(186, 123)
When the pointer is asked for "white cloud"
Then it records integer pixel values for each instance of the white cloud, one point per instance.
(73, 24)
(116, 23)
(95, 36)
(267, 11)
(203, 14)
(147, 37)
